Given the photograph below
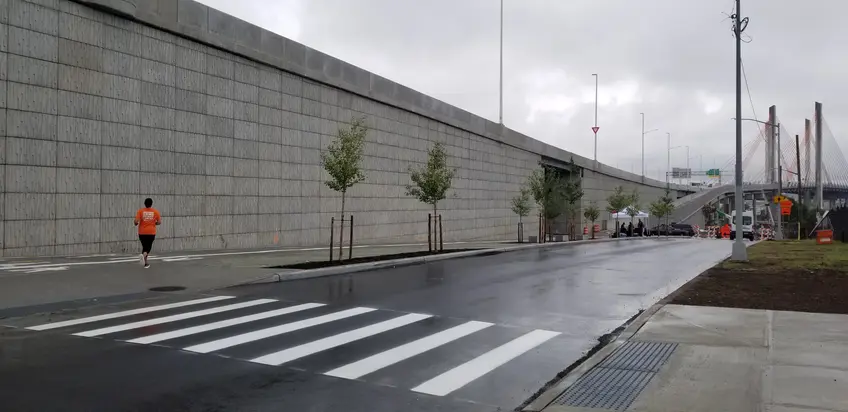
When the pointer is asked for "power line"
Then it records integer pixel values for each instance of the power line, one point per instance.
(748, 89)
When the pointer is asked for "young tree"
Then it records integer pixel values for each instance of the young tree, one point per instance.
(521, 206)
(548, 190)
(592, 213)
(668, 203)
(616, 202)
(633, 206)
(663, 207)
(572, 193)
(708, 210)
(431, 183)
(658, 209)
(342, 161)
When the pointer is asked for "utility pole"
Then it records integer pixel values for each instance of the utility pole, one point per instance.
(798, 165)
(778, 233)
(754, 205)
(500, 111)
(739, 252)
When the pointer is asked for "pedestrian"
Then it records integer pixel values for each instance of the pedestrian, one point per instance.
(147, 218)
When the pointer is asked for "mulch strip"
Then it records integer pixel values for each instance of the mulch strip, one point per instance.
(367, 259)
(791, 289)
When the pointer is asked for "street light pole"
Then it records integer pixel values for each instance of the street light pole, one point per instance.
(668, 159)
(643, 144)
(500, 94)
(739, 252)
(688, 170)
(596, 116)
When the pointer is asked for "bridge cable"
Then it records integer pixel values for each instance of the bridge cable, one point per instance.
(836, 157)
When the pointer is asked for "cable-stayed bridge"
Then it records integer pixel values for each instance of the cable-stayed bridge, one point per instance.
(811, 167)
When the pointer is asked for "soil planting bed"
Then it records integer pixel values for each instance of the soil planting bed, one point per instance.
(792, 276)
(795, 289)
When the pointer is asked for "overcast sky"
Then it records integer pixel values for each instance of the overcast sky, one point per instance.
(671, 59)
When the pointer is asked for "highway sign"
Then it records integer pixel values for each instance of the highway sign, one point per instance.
(681, 173)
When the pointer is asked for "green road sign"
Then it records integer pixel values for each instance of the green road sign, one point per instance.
(714, 172)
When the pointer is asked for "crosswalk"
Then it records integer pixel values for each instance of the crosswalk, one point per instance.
(352, 343)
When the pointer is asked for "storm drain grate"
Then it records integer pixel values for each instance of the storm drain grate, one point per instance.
(618, 380)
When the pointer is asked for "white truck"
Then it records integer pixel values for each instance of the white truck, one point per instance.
(747, 225)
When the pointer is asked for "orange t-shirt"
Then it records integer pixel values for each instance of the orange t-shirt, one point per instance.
(147, 218)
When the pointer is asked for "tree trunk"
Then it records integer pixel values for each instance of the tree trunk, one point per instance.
(617, 229)
(436, 227)
(341, 228)
(593, 230)
(520, 235)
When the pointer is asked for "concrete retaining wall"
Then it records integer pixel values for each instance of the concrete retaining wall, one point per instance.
(106, 102)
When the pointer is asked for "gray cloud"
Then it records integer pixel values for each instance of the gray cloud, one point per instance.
(671, 59)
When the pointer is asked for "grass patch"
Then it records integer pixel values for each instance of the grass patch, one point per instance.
(787, 254)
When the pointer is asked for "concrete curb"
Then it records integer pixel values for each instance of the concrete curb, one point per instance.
(362, 267)
(549, 395)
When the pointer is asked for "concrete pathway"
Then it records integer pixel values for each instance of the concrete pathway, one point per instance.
(725, 360)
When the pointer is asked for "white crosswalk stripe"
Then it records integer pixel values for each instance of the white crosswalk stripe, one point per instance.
(395, 355)
(297, 352)
(274, 331)
(463, 374)
(223, 324)
(125, 313)
(173, 318)
(384, 350)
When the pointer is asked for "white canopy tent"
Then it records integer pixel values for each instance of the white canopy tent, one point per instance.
(622, 214)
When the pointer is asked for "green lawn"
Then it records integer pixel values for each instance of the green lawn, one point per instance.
(805, 254)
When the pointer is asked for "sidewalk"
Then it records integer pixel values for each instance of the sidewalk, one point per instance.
(710, 359)
(35, 281)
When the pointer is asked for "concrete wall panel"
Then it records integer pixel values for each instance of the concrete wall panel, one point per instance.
(104, 111)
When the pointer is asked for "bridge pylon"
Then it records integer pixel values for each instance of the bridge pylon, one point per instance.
(819, 195)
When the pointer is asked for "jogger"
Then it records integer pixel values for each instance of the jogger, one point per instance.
(147, 218)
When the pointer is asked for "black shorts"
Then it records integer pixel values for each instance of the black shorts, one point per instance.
(146, 242)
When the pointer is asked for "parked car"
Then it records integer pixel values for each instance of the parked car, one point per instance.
(674, 229)
(682, 229)
(659, 230)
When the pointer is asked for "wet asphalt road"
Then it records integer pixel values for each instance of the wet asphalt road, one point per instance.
(522, 317)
